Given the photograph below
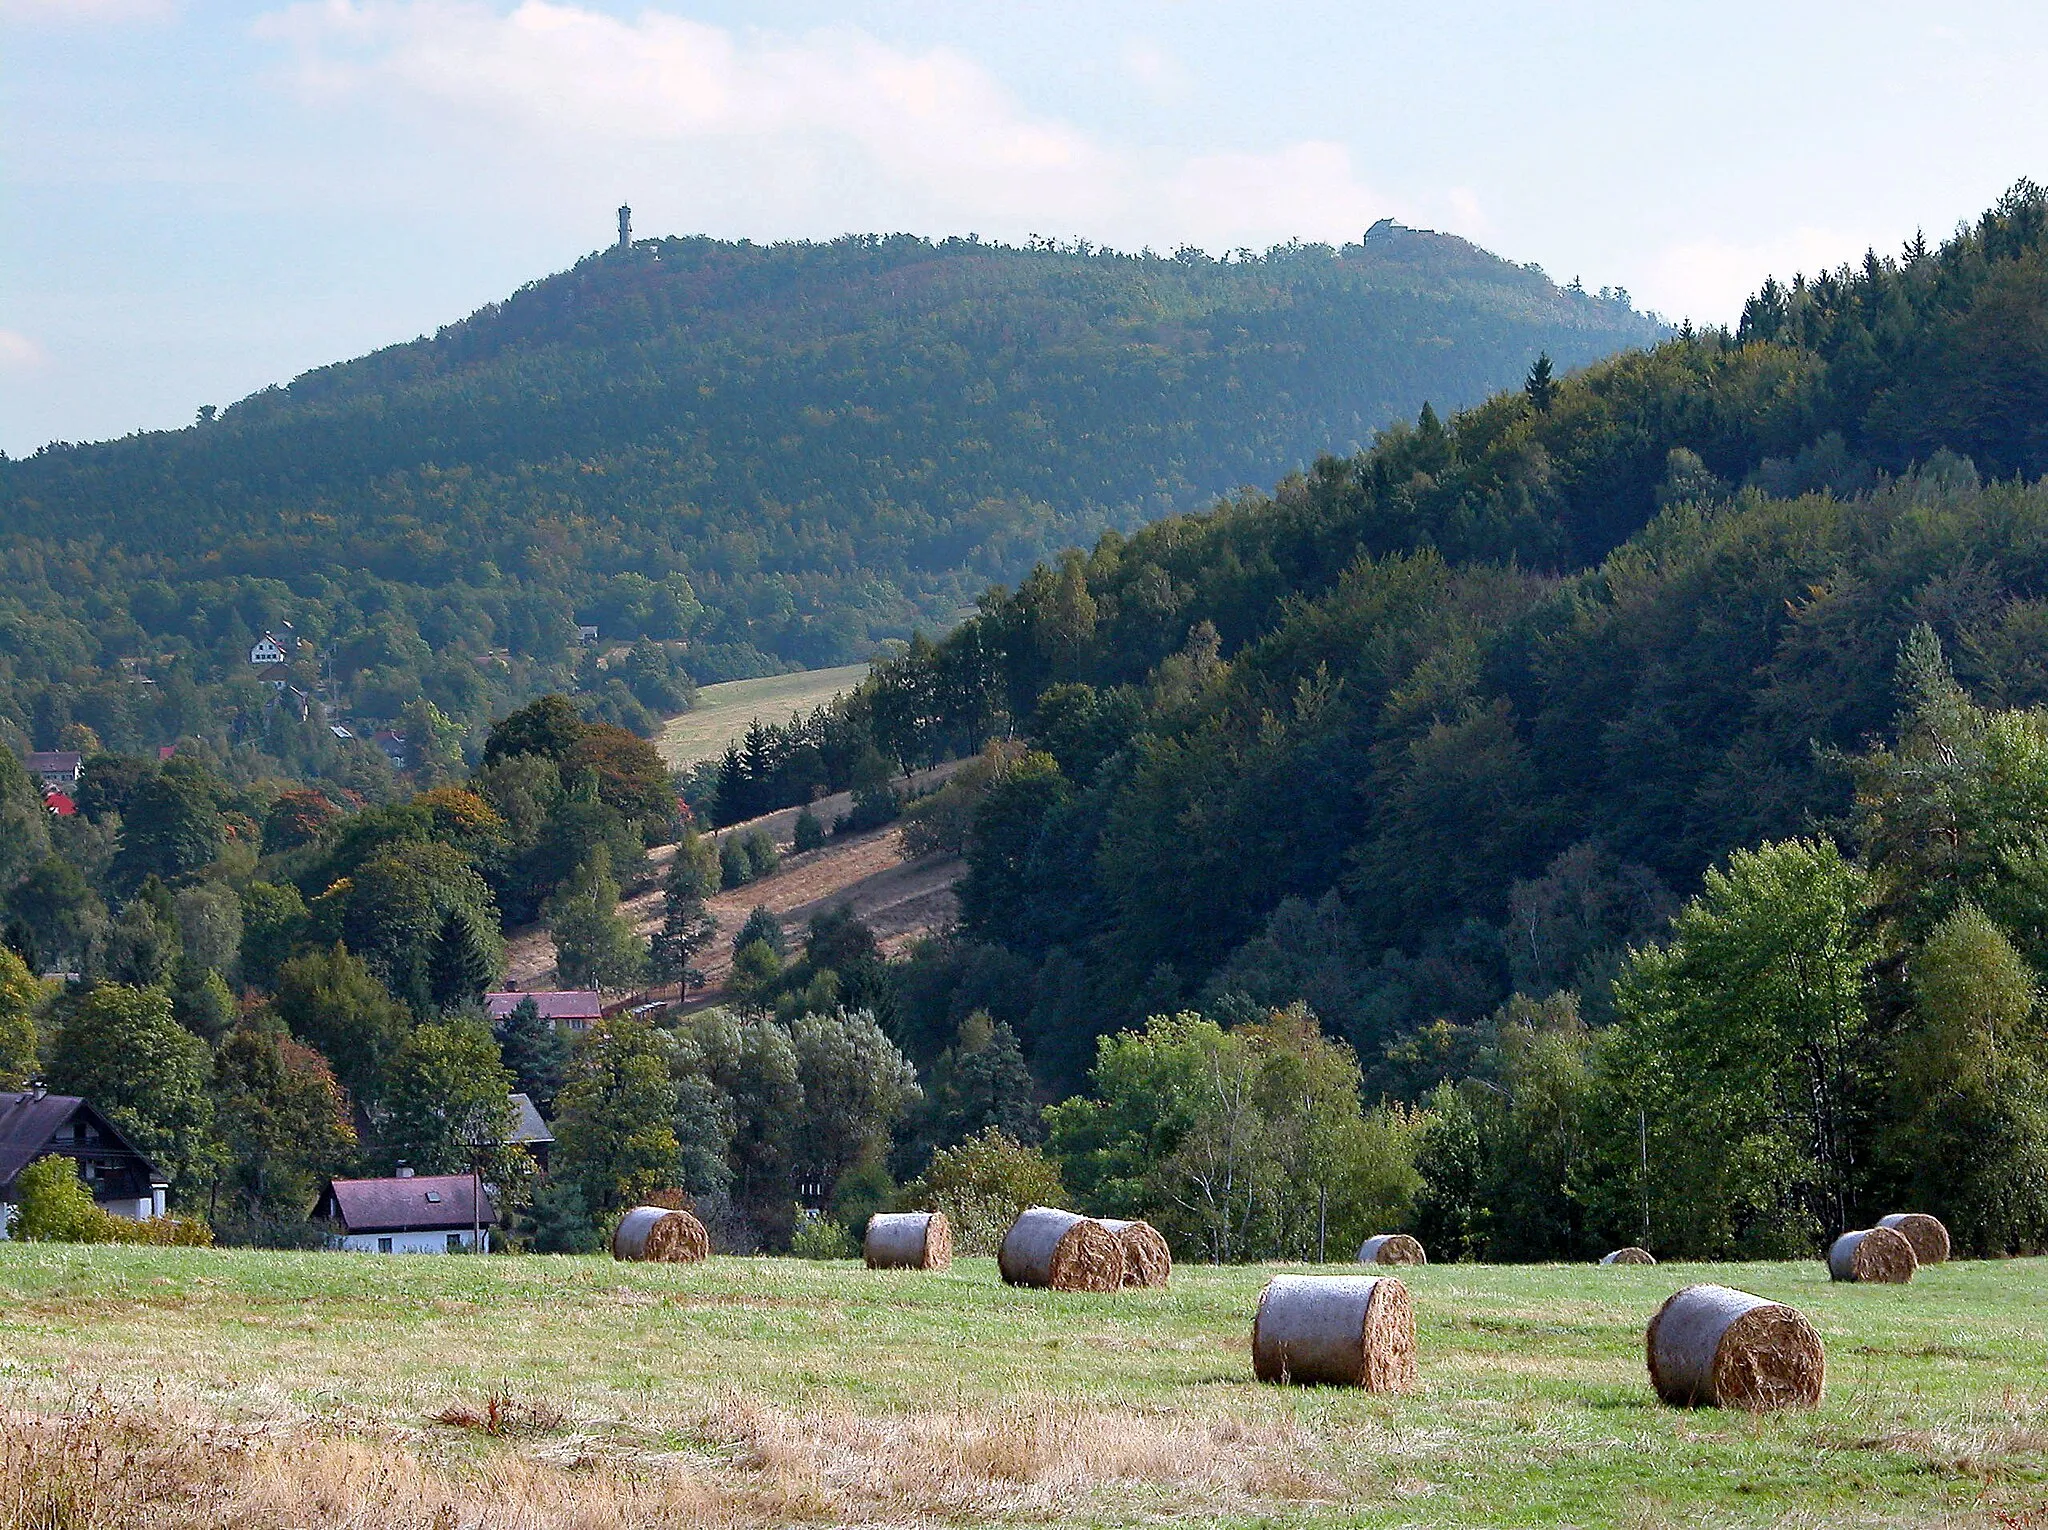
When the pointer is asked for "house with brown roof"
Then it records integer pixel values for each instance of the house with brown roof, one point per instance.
(56, 769)
(408, 1214)
(570, 1009)
(37, 1124)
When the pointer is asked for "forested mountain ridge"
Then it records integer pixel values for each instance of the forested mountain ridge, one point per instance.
(1466, 714)
(773, 454)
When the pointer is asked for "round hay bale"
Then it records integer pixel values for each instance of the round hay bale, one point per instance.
(1928, 1237)
(1147, 1259)
(658, 1235)
(1875, 1254)
(1391, 1248)
(1629, 1255)
(1335, 1330)
(908, 1240)
(1709, 1346)
(1062, 1251)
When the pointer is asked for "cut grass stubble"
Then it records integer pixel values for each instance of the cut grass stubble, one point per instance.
(306, 1389)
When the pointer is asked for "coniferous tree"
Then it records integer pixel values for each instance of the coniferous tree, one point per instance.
(1540, 388)
(686, 928)
(463, 962)
(535, 1053)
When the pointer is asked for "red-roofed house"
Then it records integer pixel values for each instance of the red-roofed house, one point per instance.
(570, 1009)
(407, 1214)
(60, 804)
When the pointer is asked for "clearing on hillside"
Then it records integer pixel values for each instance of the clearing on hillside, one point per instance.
(188, 1388)
(723, 712)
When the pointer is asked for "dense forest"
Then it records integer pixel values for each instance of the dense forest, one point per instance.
(1608, 813)
(741, 457)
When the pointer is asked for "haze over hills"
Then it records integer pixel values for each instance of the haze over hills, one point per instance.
(778, 455)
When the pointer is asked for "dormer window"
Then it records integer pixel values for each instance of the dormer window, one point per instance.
(433, 1197)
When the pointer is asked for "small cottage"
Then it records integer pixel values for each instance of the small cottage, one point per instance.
(570, 1009)
(37, 1124)
(531, 1132)
(268, 651)
(407, 1214)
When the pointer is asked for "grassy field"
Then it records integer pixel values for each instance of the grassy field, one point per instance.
(267, 1390)
(723, 712)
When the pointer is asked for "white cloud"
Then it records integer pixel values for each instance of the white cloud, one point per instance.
(1709, 280)
(813, 133)
(18, 353)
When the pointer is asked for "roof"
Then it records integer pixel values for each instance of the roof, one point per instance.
(423, 1203)
(60, 804)
(29, 1122)
(56, 759)
(557, 1004)
(531, 1128)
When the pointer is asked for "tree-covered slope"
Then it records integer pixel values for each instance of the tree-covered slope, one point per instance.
(789, 451)
(1463, 714)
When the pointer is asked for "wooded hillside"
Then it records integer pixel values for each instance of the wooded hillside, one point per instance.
(757, 456)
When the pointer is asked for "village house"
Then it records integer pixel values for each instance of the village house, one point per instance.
(268, 651)
(56, 769)
(408, 1213)
(570, 1009)
(531, 1132)
(37, 1124)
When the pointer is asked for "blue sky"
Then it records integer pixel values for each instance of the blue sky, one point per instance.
(204, 198)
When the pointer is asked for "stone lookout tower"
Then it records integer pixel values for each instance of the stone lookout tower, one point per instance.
(625, 227)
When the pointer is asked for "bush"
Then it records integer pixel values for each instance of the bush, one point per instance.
(818, 1237)
(873, 807)
(52, 1205)
(809, 833)
(762, 855)
(982, 1184)
(735, 866)
(764, 926)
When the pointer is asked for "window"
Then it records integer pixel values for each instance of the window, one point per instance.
(454, 1242)
(433, 1197)
(383, 1245)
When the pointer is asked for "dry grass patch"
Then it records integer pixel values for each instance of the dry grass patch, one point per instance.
(105, 1465)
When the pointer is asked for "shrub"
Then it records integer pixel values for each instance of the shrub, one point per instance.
(818, 1237)
(762, 855)
(53, 1206)
(982, 1184)
(809, 833)
(735, 866)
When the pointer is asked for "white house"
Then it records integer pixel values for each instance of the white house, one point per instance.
(406, 1214)
(57, 769)
(268, 651)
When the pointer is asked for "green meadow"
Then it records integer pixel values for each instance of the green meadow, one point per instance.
(579, 1391)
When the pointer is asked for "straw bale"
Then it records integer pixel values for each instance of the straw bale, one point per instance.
(1629, 1255)
(1876, 1254)
(659, 1235)
(1928, 1237)
(1391, 1248)
(1336, 1330)
(1715, 1347)
(1061, 1250)
(908, 1240)
(1147, 1259)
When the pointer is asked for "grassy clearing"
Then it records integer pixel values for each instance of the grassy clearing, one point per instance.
(753, 1392)
(723, 712)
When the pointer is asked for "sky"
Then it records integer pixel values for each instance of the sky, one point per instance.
(200, 198)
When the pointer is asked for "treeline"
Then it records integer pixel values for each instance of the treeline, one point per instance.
(740, 458)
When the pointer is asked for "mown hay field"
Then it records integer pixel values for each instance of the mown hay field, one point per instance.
(184, 1387)
(724, 711)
